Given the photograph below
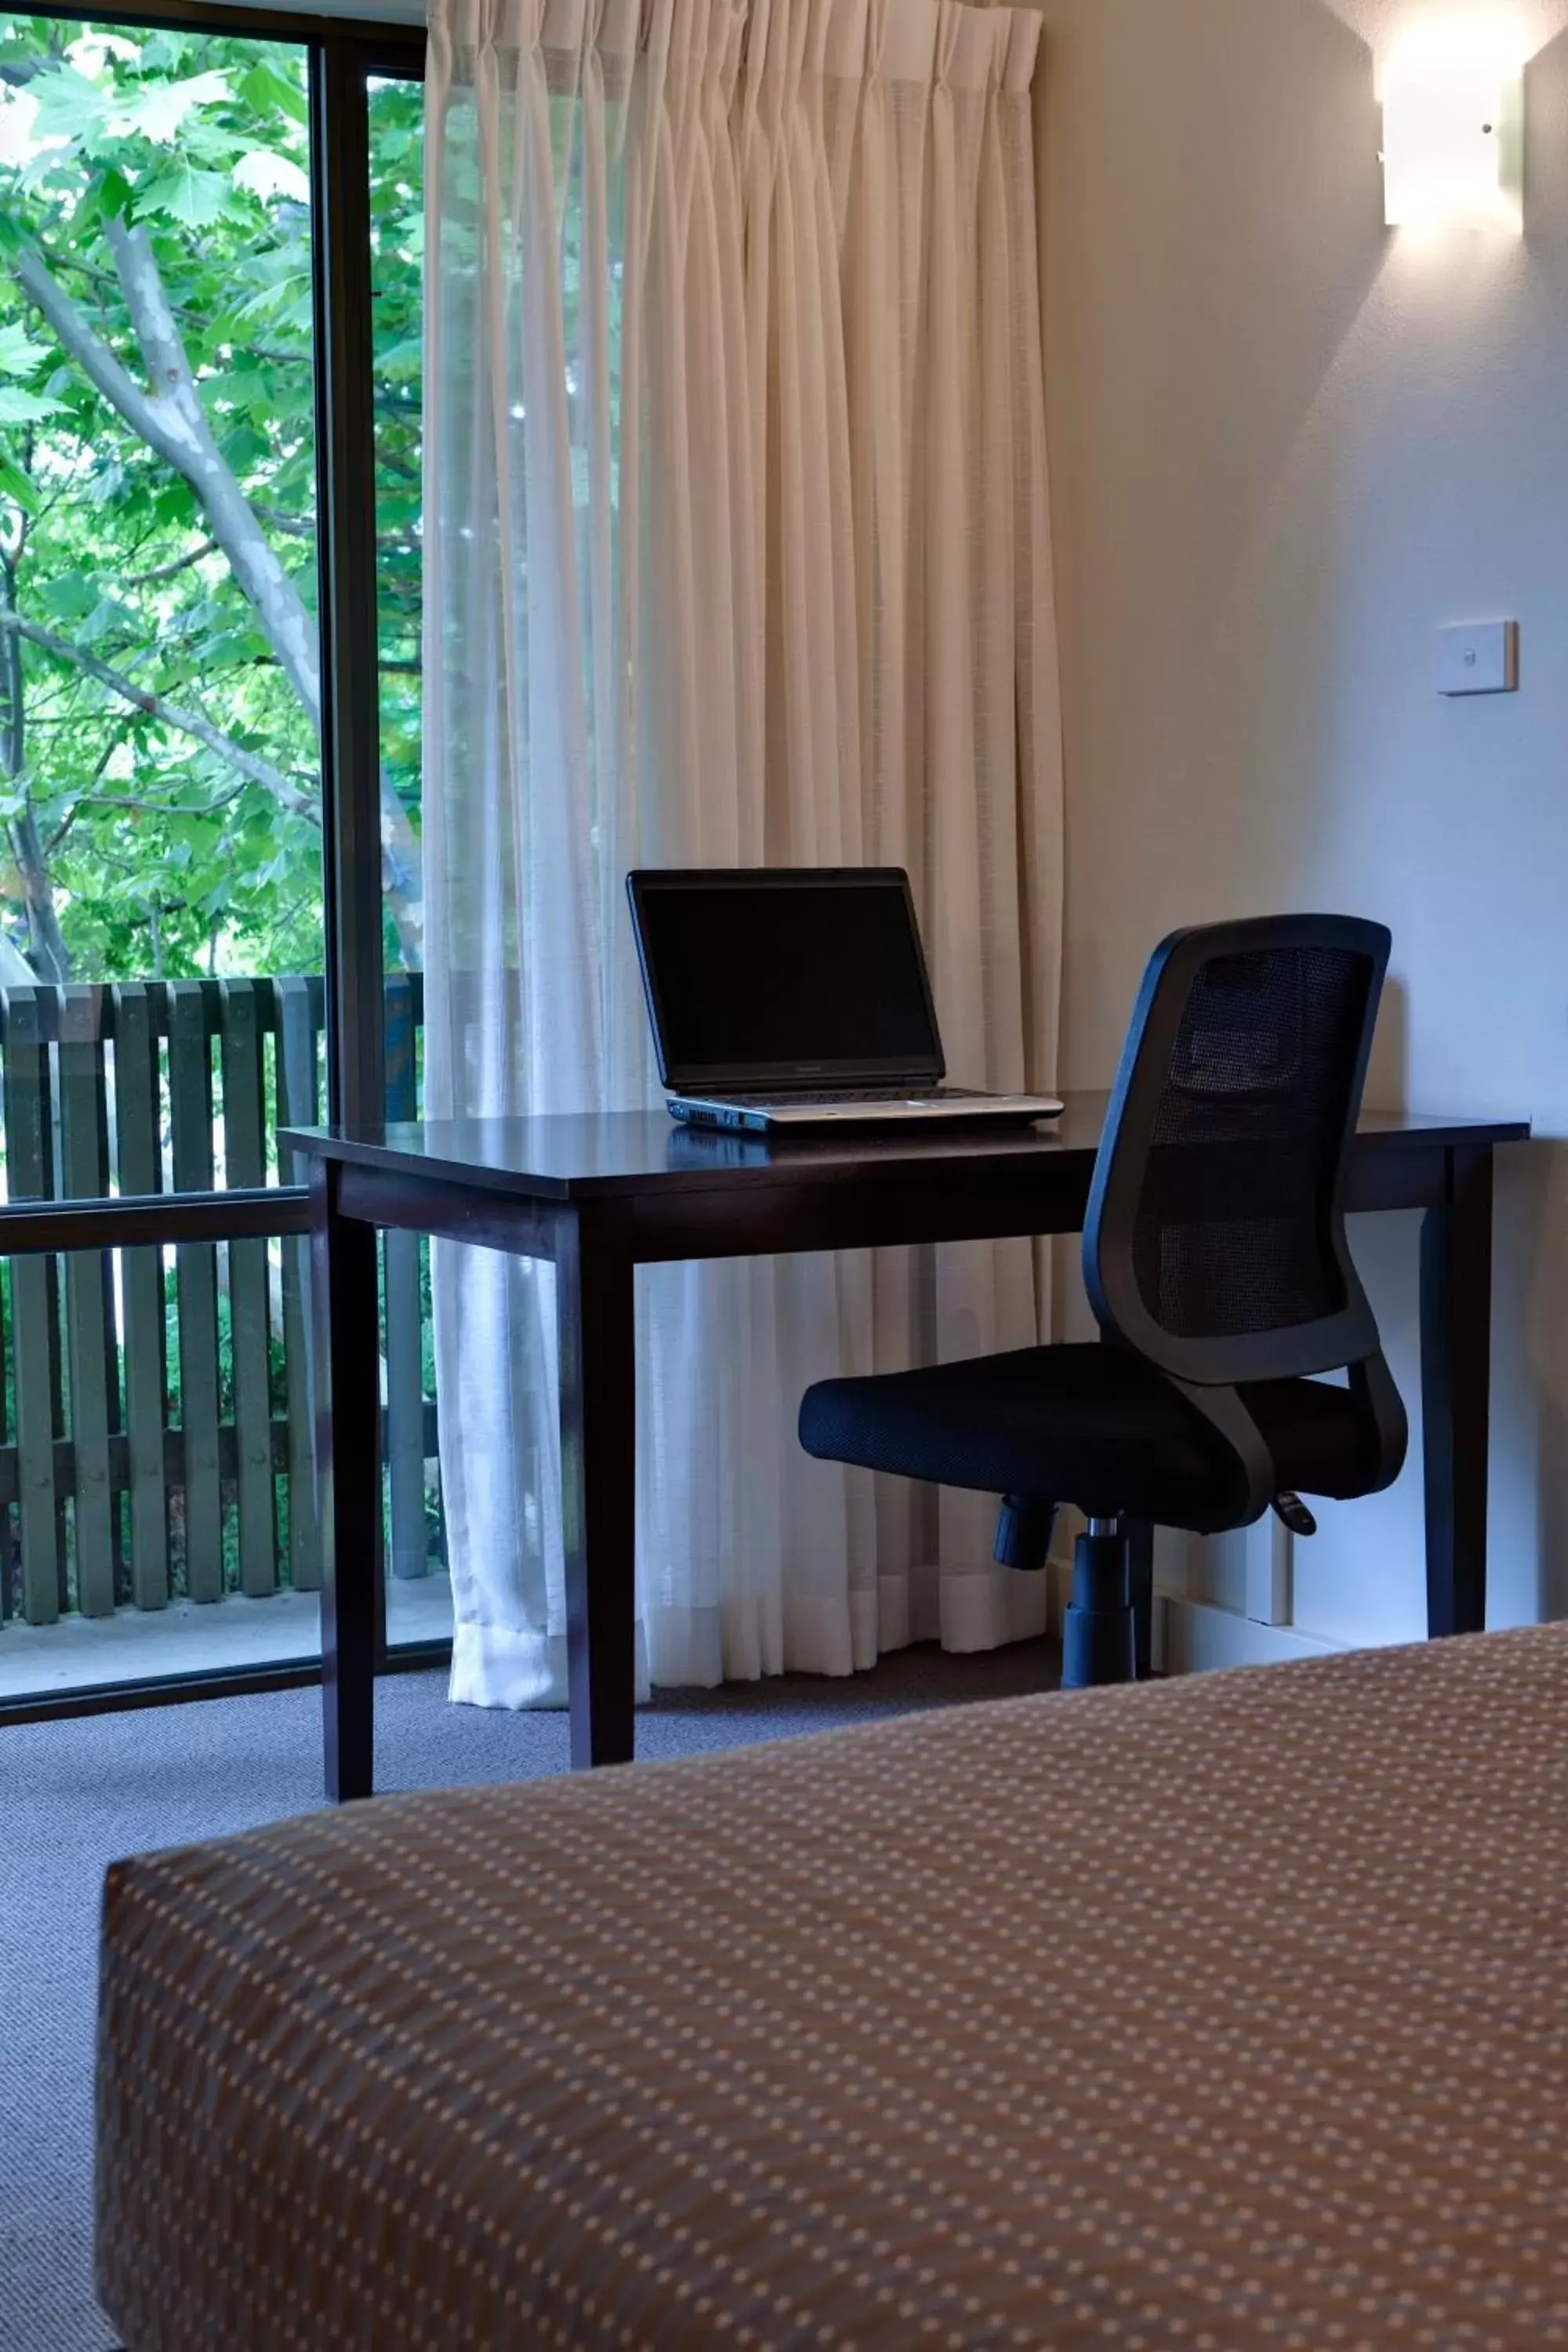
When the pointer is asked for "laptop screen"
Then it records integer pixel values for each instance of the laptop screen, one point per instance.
(767, 977)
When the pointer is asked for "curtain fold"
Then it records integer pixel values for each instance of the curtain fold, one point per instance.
(737, 551)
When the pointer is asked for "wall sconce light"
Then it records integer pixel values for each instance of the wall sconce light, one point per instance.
(1453, 127)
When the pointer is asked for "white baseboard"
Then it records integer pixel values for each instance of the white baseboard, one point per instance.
(1198, 1638)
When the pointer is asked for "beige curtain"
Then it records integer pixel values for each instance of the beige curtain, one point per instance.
(737, 551)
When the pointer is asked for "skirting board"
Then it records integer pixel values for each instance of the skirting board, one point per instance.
(1198, 1638)
(1193, 1637)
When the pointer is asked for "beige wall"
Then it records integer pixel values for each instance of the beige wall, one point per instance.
(1287, 444)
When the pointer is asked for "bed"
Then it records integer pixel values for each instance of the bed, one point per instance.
(1226, 2012)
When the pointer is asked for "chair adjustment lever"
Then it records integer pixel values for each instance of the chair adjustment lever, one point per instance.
(1293, 1511)
(1024, 1529)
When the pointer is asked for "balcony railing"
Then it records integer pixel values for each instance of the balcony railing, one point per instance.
(156, 1411)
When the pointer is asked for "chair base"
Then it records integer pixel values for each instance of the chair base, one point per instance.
(1099, 1634)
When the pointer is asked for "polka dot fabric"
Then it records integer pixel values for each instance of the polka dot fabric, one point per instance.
(1223, 2014)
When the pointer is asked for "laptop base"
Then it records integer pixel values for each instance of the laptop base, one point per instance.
(944, 1107)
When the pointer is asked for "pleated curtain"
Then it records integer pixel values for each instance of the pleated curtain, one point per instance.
(737, 553)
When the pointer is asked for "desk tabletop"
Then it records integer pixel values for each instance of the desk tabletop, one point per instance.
(572, 1155)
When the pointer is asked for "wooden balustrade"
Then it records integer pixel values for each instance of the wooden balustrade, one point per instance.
(155, 1432)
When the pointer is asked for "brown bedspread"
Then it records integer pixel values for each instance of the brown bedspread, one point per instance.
(1222, 2013)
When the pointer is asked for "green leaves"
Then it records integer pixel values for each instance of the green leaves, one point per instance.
(67, 107)
(15, 486)
(186, 193)
(110, 198)
(195, 839)
(19, 355)
(156, 110)
(282, 304)
(245, 448)
(268, 92)
(202, 139)
(264, 172)
(20, 407)
(402, 363)
(70, 596)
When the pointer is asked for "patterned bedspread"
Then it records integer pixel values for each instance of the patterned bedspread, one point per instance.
(1222, 2013)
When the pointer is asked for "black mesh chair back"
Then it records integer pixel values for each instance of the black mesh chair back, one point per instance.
(1214, 1244)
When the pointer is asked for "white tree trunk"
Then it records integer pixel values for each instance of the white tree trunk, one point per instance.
(172, 421)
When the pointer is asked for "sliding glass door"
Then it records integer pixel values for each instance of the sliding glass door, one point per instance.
(395, 142)
(199, 799)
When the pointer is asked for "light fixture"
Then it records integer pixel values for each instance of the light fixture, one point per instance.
(1453, 124)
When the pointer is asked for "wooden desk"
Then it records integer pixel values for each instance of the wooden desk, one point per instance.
(602, 1194)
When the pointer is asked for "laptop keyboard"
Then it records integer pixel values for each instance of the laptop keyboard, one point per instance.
(831, 1095)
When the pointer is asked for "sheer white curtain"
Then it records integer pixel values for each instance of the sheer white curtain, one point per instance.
(737, 551)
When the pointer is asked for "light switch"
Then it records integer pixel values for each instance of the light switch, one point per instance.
(1478, 657)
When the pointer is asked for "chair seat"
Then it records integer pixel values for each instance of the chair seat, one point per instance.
(1089, 1425)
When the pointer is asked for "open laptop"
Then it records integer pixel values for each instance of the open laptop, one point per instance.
(797, 997)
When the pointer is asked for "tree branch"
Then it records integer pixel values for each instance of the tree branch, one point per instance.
(189, 447)
(74, 263)
(171, 570)
(92, 356)
(173, 421)
(245, 763)
(13, 700)
(151, 808)
(291, 526)
(86, 800)
(50, 955)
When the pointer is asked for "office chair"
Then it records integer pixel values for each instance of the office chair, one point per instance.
(1217, 1264)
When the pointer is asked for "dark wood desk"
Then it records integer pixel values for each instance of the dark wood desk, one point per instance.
(600, 1195)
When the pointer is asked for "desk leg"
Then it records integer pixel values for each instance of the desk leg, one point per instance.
(598, 1472)
(348, 1477)
(1456, 1373)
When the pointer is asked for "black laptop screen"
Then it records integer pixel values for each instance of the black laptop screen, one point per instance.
(758, 980)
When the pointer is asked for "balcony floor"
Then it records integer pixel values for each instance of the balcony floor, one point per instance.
(195, 1638)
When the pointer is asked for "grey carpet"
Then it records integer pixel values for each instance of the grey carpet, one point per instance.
(74, 1795)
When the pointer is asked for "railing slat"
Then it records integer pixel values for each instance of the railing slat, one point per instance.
(174, 1456)
(138, 1142)
(35, 1316)
(90, 1313)
(190, 1119)
(134, 1425)
(404, 1351)
(299, 1013)
(245, 1004)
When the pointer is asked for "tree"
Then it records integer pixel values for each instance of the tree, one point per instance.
(160, 689)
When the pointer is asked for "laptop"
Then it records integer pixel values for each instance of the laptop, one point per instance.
(783, 998)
